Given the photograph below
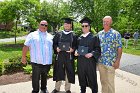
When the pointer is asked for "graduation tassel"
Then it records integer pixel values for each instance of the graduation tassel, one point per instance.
(57, 56)
(70, 57)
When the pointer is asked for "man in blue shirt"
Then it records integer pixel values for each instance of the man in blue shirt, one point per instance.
(111, 51)
(40, 45)
(136, 37)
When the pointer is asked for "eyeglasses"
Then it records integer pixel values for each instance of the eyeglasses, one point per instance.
(85, 26)
(44, 25)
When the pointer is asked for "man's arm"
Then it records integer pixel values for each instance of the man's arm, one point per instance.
(24, 52)
(117, 62)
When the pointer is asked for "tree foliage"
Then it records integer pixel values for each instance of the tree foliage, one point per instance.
(125, 13)
(54, 11)
(135, 13)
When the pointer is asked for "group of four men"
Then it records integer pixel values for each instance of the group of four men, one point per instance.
(104, 49)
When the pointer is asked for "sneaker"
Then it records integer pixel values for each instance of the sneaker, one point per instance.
(55, 91)
(68, 91)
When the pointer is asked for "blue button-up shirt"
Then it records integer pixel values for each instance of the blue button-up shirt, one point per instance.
(110, 42)
(40, 45)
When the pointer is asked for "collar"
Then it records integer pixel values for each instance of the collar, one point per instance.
(107, 31)
(67, 32)
(44, 33)
(85, 35)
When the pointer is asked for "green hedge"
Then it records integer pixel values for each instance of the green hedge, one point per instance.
(13, 64)
(28, 69)
(1, 68)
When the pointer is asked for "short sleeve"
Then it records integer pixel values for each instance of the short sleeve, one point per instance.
(28, 40)
(119, 40)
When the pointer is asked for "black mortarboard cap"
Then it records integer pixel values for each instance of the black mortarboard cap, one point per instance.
(68, 20)
(86, 20)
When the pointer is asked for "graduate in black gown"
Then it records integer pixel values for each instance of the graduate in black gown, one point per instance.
(86, 65)
(64, 58)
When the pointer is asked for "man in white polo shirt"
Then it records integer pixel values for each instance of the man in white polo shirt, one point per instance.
(40, 45)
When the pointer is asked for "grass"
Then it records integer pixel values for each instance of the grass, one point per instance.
(9, 34)
(131, 49)
(8, 50)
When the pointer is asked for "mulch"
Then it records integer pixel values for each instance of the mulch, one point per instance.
(14, 78)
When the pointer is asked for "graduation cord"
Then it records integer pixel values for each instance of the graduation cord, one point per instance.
(58, 42)
(71, 45)
(57, 56)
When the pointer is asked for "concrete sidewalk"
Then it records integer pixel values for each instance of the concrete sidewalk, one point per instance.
(12, 39)
(125, 83)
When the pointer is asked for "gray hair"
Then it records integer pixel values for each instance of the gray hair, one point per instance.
(108, 17)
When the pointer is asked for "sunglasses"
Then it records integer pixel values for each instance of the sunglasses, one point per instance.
(44, 25)
(85, 26)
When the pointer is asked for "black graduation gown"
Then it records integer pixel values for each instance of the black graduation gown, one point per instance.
(87, 66)
(64, 61)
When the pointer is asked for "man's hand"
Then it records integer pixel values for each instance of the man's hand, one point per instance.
(71, 50)
(89, 55)
(58, 49)
(24, 52)
(23, 60)
(116, 64)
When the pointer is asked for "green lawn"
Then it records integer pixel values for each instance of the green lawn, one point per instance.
(8, 50)
(131, 49)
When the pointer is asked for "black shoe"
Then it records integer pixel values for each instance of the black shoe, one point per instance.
(55, 91)
(83, 89)
(82, 92)
(44, 91)
(68, 91)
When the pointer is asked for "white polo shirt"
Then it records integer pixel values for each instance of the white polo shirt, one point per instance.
(40, 45)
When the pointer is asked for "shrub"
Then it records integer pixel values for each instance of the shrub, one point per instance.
(18, 30)
(50, 74)
(28, 69)
(13, 64)
(1, 68)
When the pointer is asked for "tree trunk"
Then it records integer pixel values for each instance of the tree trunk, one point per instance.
(16, 32)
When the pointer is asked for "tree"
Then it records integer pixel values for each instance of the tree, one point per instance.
(54, 11)
(135, 13)
(6, 15)
(18, 10)
(24, 8)
(124, 22)
(96, 10)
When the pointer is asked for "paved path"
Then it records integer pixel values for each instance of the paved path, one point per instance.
(125, 83)
(12, 39)
(130, 63)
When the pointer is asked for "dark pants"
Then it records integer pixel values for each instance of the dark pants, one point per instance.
(39, 72)
(83, 90)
